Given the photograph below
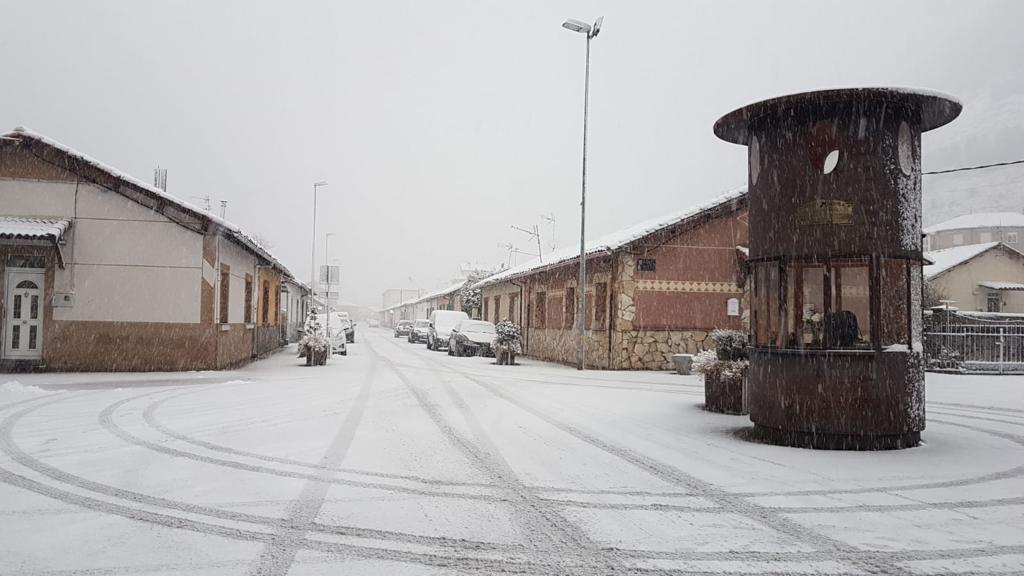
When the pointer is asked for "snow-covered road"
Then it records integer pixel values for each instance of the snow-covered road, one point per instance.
(397, 460)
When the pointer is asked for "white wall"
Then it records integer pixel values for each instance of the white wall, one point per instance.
(36, 198)
(961, 283)
(123, 262)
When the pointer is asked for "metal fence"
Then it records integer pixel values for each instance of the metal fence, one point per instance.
(987, 348)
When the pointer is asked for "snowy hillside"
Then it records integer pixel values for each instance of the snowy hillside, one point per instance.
(954, 194)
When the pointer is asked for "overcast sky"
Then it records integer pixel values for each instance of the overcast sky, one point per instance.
(441, 124)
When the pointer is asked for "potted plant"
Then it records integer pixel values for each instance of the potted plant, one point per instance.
(507, 343)
(315, 343)
(725, 372)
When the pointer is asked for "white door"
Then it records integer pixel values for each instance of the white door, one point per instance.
(23, 322)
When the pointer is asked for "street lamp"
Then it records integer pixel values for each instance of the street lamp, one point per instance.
(312, 254)
(581, 288)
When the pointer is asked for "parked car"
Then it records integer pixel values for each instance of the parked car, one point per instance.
(338, 341)
(472, 338)
(403, 328)
(441, 324)
(418, 333)
(350, 330)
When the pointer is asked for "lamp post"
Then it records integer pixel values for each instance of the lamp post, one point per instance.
(312, 254)
(591, 32)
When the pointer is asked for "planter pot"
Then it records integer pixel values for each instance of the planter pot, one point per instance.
(505, 357)
(682, 363)
(315, 357)
(725, 395)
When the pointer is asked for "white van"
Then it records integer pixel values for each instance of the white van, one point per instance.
(441, 324)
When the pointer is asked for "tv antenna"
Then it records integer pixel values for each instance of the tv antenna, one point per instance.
(535, 233)
(550, 219)
(205, 199)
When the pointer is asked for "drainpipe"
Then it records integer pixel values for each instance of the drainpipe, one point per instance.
(255, 313)
(522, 317)
(609, 319)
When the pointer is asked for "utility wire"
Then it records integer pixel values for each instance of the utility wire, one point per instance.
(974, 167)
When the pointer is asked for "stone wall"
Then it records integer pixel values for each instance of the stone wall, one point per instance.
(653, 349)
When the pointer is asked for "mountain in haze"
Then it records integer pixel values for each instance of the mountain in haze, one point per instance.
(945, 196)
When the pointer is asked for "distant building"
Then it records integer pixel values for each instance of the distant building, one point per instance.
(295, 302)
(395, 296)
(1005, 227)
(99, 271)
(978, 277)
(652, 290)
(391, 299)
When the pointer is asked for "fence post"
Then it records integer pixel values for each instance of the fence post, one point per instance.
(1002, 331)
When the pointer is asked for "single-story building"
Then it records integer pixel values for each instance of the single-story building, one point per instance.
(652, 290)
(981, 228)
(100, 271)
(447, 298)
(295, 298)
(977, 277)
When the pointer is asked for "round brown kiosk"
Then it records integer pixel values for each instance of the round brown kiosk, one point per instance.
(835, 260)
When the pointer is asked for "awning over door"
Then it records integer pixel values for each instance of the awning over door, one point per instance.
(1000, 285)
(45, 229)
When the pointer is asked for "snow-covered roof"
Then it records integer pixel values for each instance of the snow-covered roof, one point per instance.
(615, 240)
(1000, 285)
(442, 291)
(943, 260)
(233, 232)
(15, 227)
(981, 220)
(402, 304)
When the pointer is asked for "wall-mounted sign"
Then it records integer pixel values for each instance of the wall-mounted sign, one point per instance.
(825, 212)
(732, 307)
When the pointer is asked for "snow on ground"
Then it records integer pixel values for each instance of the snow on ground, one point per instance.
(397, 460)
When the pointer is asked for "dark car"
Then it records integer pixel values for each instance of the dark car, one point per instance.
(419, 331)
(402, 328)
(471, 338)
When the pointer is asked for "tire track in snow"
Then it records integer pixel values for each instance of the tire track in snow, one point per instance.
(468, 563)
(108, 423)
(1015, 472)
(472, 564)
(827, 547)
(537, 518)
(278, 556)
(728, 502)
(18, 455)
(150, 417)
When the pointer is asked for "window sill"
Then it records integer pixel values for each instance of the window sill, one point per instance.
(224, 327)
(250, 326)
